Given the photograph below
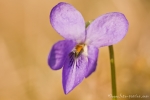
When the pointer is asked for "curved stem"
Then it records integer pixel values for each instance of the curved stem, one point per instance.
(113, 73)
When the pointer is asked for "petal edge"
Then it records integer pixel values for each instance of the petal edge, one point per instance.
(68, 22)
(107, 29)
(92, 60)
(59, 53)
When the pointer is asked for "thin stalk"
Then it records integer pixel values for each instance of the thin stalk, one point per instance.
(113, 73)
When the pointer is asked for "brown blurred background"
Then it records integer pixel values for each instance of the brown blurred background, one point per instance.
(26, 38)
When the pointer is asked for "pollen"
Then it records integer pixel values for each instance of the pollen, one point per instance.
(79, 49)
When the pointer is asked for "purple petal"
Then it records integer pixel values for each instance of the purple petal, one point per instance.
(59, 52)
(74, 72)
(107, 29)
(92, 60)
(68, 22)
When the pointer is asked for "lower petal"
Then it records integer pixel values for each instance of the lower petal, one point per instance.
(92, 60)
(74, 72)
(59, 52)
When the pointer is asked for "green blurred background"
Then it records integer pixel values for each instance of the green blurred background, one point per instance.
(26, 38)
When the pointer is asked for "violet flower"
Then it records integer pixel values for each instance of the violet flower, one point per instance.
(78, 53)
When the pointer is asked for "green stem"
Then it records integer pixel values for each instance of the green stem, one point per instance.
(112, 64)
(88, 23)
(113, 73)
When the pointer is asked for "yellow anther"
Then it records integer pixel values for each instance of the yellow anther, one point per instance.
(79, 49)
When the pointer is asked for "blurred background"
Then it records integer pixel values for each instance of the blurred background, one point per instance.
(26, 38)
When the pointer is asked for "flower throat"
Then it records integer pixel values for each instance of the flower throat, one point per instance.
(78, 50)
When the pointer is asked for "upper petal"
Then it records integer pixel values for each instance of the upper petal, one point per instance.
(59, 52)
(74, 72)
(68, 22)
(92, 60)
(107, 29)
